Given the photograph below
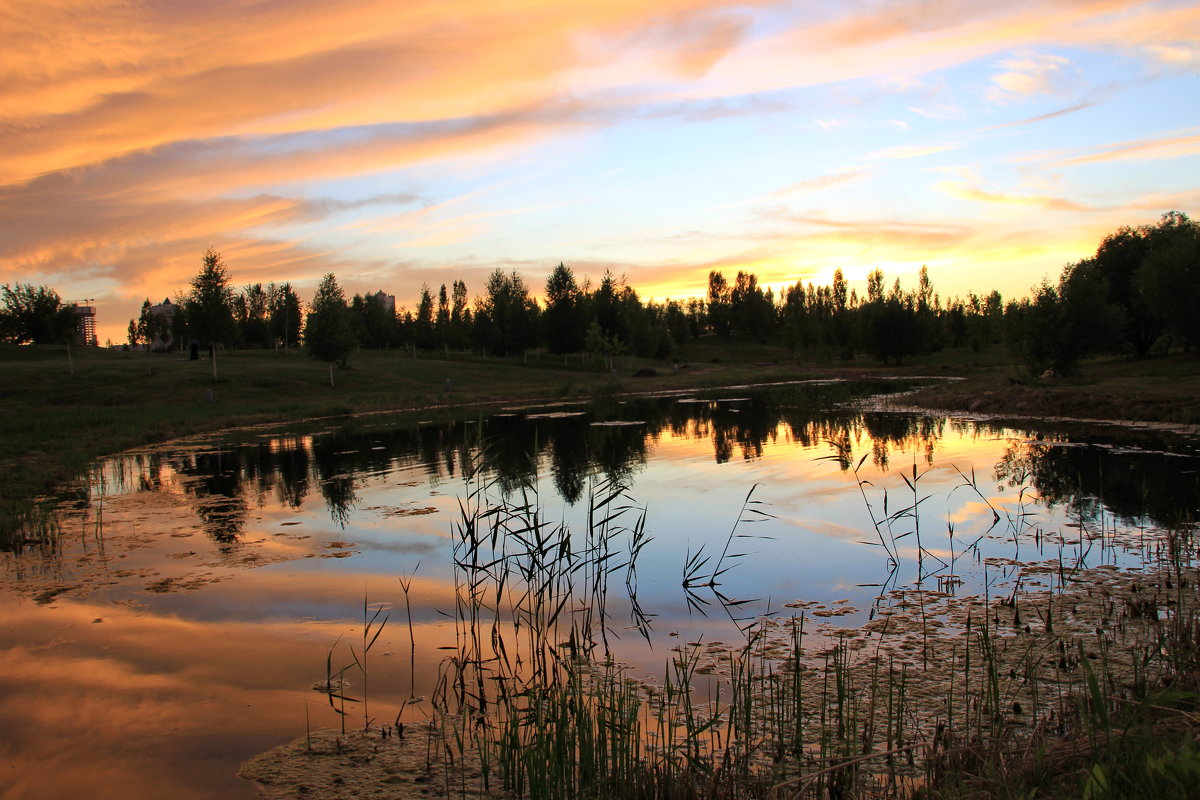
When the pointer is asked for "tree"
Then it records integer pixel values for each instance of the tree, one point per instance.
(152, 327)
(751, 309)
(373, 320)
(209, 304)
(441, 323)
(283, 314)
(1120, 262)
(841, 330)
(563, 321)
(424, 331)
(252, 316)
(460, 315)
(1060, 325)
(719, 321)
(36, 315)
(506, 319)
(328, 334)
(1169, 277)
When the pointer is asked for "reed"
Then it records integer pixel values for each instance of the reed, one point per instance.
(1086, 686)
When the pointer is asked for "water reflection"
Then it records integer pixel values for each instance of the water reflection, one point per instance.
(224, 481)
(326, 512)
(1139, 478)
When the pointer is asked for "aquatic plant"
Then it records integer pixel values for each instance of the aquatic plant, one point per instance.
(1064, 675)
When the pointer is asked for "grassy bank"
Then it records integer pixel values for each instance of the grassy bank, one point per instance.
(1163, 389)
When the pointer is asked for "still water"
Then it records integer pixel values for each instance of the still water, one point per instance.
(185, 615)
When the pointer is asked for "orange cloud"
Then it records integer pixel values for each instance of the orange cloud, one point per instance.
(135, 135)
(1140, 150)
(1028, 75)
(824, 181)
(974, 193)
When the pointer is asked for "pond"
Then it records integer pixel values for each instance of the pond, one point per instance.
(199, 593)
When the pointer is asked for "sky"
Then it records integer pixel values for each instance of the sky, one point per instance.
(406, 143)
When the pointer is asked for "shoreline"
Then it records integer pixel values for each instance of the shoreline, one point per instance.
(53, 425)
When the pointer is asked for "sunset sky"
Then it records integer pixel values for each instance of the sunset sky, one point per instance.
(402, 142)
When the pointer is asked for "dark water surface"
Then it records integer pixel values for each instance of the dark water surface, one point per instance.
(182, 620)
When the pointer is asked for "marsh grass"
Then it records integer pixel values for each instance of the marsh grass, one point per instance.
(1060, 680)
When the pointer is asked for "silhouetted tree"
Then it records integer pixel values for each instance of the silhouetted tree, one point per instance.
(1169, 277)
(328, 334)
(441, 323)
(250, 309)
(460, 316)
(373, 321)
(719, 313)
(506, 317)
(794, 320)
(1117, 263)
(563, 320)
(751, 309)
(283, 314)
(36, 315)
(209, 304)
(1062, 324)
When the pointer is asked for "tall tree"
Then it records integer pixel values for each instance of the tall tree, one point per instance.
(719, 318)
(328, 334)
(424, 331)
(441, 322)
(1062, 324)
(284, 316)
(506, 317)
(149, 327)
(209, 304)
(252, 316)
(1116, 264)
(460, 315)
(563, 321)
(752, 312)
(1169, 277)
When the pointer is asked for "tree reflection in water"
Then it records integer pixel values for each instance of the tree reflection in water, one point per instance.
(1137, 475)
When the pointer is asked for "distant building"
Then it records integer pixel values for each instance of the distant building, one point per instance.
(388, 301)
(164, 312)
(87, 325)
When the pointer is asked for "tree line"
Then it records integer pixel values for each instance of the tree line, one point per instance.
(1136, 295)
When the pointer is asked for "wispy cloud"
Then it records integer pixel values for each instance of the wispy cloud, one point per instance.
(908, 151)
(1140, 150)
(1174, 144)
(824, 181)
(1071, 109)
(964, 191)
(1028, 75)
